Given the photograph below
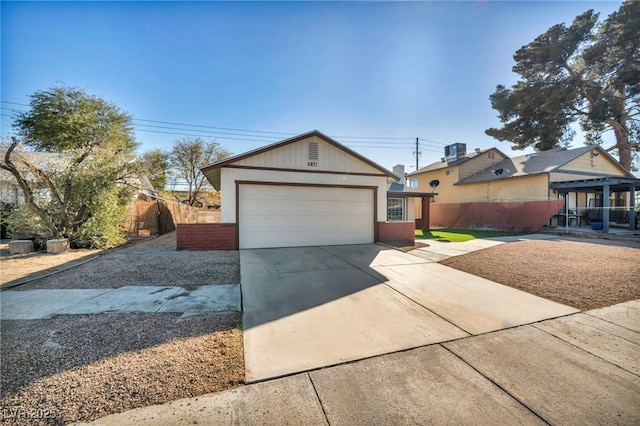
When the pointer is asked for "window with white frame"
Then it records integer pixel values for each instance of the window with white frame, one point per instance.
(395, 209)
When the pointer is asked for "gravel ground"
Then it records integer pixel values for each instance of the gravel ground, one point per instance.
(83, 367)
(25, 266)
(151, 262)
(584, 274)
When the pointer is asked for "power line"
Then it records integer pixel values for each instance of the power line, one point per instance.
(436, 142)
(264, 131)
(190, 130)
(213, 127)
(14, 103)
(370, 141)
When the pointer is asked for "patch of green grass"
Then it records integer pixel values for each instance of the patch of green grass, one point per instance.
(452, 235)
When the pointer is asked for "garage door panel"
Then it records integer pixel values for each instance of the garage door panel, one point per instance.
(308, 208)
(300, 239)
(289, 216)
(308, 224)
(266, 192)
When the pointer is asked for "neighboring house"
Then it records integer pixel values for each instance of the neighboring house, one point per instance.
(10, 191)
(487, 189)
(308, 190)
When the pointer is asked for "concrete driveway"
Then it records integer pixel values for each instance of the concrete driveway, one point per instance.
(311, 307)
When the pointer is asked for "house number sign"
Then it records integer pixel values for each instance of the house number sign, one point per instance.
(312, 164)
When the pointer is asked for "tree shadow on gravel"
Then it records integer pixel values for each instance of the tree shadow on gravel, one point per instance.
(151, 262)
(88, 366)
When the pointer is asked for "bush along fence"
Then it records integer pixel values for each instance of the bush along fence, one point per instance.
(150, 215)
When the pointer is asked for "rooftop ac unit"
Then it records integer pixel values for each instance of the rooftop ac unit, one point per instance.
(455, 151)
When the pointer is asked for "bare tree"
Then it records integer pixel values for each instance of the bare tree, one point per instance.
(187, 157)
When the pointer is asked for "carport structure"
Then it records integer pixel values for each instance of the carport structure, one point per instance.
(604, 187)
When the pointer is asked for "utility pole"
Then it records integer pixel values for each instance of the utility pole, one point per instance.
(417, 152)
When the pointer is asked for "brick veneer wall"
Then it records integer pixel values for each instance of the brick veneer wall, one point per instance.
(206, 236)
(396, 231)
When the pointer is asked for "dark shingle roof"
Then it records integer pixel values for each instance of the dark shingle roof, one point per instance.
(444, 164)
(531, 164)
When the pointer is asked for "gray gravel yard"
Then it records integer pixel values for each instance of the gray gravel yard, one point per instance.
(81, 367)
(151, 262)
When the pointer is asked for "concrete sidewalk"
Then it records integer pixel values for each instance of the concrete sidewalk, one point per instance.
(440, 250)
(43, 304)
(579, 369)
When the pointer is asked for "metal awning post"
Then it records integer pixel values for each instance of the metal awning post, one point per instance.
(566, 213)
(605, 208)
(632, 208)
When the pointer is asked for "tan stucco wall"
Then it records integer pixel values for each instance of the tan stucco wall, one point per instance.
(446, 181)
(509, 189)
(411, 209)
(479, 163)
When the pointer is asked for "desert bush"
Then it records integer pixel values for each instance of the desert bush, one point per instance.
(23, 224)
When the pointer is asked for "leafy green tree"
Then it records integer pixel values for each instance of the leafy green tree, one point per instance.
(156, 164)
(187, 156)
(587, 73)
(82, 191)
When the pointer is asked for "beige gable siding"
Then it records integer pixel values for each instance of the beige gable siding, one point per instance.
(561, 177)
(479, 163)
(296, 156)
(599, 164)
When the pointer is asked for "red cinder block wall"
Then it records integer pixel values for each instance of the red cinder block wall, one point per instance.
(396, 231)
(206, 236)
(516, 216)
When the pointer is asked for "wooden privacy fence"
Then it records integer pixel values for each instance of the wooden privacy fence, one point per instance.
(148, 216)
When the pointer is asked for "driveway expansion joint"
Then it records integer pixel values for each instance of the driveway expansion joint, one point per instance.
(496, 384)
(315, 389)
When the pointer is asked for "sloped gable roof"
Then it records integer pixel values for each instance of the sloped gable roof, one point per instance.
(444, 164)
(533, 164)
(212, 171)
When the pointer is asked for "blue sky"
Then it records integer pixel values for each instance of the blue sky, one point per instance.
(373, 75)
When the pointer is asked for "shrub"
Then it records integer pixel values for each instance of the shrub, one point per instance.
(23, 224)
(5, 211)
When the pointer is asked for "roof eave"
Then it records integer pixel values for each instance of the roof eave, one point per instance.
(220, 164)
(402, 194)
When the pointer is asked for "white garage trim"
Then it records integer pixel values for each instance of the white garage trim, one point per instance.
(276, 214)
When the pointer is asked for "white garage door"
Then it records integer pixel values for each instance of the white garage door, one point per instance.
(290, 216)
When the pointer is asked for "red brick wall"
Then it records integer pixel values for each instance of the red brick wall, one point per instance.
(206, 236)
(526, 216)
(396, 231)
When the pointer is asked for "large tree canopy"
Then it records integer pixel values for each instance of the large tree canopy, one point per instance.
(78, 189)
(587, 73)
